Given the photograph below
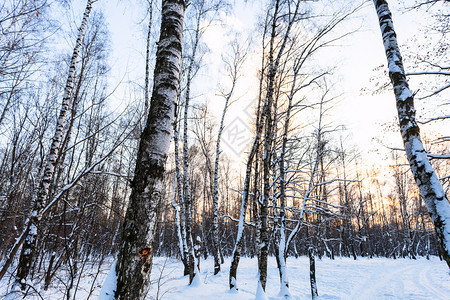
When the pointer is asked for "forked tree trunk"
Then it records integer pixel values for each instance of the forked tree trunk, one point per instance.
(424, 174)
(29, 245)
(135, 257)
(273, 62)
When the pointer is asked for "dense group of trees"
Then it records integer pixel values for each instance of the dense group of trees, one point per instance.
(82, 181)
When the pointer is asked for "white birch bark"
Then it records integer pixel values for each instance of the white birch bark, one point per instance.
(284, 282)
(136, 254)
(424, 174)
(182, 221)
(268, 140)
(216, 190)
(147, 59)
(28, 248)
(186, 183)
(239, 242)
(177, 220)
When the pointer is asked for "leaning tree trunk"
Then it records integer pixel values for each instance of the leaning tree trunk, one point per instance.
(424, 174)
(29, 245)
(239, 238)
(135, 257)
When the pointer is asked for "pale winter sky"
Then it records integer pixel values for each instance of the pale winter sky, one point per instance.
(362, 113)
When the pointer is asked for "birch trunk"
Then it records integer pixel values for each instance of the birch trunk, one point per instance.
(424, 174)
(216, 242)
(282, 245)
(312, 274)
(182, 221)
(147, 59)
(273, 62)
(135, 257)
(186, 183)
(181, 244)
(264, 243)
(29, 245)
(216, 245)
(239, 242)
(253, 153)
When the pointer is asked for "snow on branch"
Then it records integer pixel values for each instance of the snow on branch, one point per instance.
(236, 220)
(434, 119)
(430, 155)
(110, 173)
(429, 73)
(436, 92)
(334, 180)
(438, 156)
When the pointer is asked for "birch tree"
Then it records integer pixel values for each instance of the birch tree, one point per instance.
(424, 174)
(136, 254)
(147, 58)
(251, 160)
(201, 10)
(274, 59)
(28, 248)
(281, 41)
(180, 209)
(300, 80)
(246, 189)
(233, 68)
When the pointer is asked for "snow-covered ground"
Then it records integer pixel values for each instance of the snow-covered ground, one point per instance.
(343, 278)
